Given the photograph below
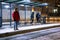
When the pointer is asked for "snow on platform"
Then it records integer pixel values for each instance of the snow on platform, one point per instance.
(7, 30)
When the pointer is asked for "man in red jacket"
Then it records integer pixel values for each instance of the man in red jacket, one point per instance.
(16, 18)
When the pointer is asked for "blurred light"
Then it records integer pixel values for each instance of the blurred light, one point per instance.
(25, 1)
(46, 6)
(55, 10)
(44, 3)
(7, 6)
(21, 5)
(58, 5)
(4, 3)
(32, 9)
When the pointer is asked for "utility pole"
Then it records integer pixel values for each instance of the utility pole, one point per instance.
(0, 15)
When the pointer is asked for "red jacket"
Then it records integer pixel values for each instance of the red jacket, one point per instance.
(16, 16)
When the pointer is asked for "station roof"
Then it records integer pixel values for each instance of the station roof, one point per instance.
(19, 2)
(24, 3)
(29, 3)
(10, 1)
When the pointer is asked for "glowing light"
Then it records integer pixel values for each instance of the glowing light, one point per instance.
(55, 10)
(4, 3)
(32, 9)
(44, 3)
(7, 6)
(21, 5)
(58, 5)
(46, 6)
(25, 1)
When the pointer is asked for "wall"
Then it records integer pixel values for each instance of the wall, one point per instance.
(6, 14)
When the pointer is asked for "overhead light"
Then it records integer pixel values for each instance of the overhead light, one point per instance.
(21, 5)
(4, 3)
(32, 9)
(25, 1)
(7, 6)
(44, 3)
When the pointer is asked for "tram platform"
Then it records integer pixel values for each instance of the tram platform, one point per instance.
(10, 31)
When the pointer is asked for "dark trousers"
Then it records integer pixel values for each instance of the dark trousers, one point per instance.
(32, 20)
(37, 20)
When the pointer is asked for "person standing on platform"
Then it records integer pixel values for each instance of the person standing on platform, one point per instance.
(16, 18)
(32, 17)
(38, 16)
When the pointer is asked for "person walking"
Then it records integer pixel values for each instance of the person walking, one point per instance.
(32, 17)
(16, 18)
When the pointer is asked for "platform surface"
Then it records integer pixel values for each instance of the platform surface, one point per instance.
(8, 30)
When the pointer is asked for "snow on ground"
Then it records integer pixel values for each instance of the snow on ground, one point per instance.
(27, 27)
